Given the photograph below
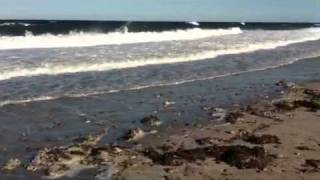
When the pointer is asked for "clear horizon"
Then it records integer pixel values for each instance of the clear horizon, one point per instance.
(164, 10)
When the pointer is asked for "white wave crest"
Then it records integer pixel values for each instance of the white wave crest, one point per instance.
(7, 24)
(54, 69)
(195, 23)
(13, 24)
(81, 39)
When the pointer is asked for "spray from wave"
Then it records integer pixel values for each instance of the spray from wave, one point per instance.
(81, 39)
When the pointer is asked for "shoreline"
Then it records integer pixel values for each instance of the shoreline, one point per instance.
(58, 123)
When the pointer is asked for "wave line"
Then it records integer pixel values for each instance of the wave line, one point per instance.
(86, 39)
(107, 66)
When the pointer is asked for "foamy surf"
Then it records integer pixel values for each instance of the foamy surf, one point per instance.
(81, 39)
(48, 98)
(56, 69)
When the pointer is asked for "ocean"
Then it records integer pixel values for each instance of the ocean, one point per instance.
(43, 60)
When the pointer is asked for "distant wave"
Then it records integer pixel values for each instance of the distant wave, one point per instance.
(194, 23)
(81, 39)
(48, 69)
(15, 24)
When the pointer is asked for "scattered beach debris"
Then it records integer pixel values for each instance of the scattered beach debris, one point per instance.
(285, 105)
(136, 134)
(313, 104)
(168, 103)
(311, 165)
(60, 161)
(151, 121)
(312, 92)
(234, 117)
(203, 141)
(304, 148)
(219, 114)
(263, 139)
(244, 157)
(315, 163)
(241, 157)
(286, 84)
(69, 160)
(265, 111)
(12, 164)
(89, 140)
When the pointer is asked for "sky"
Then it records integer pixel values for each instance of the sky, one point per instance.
(164, 10)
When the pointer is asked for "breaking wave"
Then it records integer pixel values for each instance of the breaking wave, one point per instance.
(56, 69)
(84, 39)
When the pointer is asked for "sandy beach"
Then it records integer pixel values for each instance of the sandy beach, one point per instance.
(254, 125)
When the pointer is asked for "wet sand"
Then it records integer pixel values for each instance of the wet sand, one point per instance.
(190, 125)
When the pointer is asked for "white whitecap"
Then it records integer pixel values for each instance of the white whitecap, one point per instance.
(195, 23)
(56, 69)
(8, 24)
(13, 24)
(82, 39)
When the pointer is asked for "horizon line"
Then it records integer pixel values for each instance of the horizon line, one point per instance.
(173, 21)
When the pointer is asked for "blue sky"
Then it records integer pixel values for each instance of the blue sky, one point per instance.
(164, 10)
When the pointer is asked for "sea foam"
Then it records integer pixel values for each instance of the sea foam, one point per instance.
(56, 69)
(84, 39)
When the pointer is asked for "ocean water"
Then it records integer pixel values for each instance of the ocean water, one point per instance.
(41, 60)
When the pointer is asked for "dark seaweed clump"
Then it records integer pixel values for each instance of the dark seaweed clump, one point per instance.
(264, 139)
(238, 156)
